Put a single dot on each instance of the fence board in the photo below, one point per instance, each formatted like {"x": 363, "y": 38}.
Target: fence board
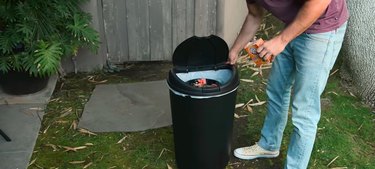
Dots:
{"x": 160, "y": 29}
{"x": 205, "y": 17}
{"x": 138, "y": 30}
{"x": 183, "y": 20}
{"x": 145, "y": 30}
{"x": 179, "y": 21}
{"x": 190, "y": 18}
{"x": 115, "y": 26}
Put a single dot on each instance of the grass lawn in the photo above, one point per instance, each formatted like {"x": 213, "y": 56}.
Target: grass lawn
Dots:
{"x": 345, "y": 137}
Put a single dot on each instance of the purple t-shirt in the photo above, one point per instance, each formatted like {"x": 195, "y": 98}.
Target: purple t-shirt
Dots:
{"x": 286, "y": 10}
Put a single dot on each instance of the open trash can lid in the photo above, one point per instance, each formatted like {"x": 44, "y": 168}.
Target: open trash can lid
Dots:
{"x": 201, "y": 51}
{"x": 200, "y": 69}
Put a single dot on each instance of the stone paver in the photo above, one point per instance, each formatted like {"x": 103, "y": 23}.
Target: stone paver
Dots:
{"x": 127, "y": 107}
{"x": 21, "y": 123}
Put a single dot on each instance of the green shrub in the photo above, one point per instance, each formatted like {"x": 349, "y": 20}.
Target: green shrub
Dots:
{"x": 36, "y": 34}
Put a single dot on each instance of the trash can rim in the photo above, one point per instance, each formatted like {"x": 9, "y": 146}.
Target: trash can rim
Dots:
{"x": 178, "y": 85}
{"x": 201, "y": 97}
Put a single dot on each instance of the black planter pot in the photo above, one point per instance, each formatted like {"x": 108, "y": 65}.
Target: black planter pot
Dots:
{"x": 21, "y": 83}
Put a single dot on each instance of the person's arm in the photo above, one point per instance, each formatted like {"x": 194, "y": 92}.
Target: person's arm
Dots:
{"x": 248, "y": 30}
{"x": 310, "y": 11}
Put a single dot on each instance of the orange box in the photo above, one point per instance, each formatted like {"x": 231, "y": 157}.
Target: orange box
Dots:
{"x": 251, "y": 49}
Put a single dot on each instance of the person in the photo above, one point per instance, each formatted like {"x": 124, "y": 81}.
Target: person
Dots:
{"x": 303, "y": 55}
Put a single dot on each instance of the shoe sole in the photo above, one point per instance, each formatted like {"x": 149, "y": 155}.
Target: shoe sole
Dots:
{"x": 243, "y": 157}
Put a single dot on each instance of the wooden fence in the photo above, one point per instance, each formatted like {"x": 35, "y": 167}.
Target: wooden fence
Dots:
{"x": 149, "y": 30}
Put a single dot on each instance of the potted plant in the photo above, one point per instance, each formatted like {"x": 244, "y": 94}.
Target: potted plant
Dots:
{"x": 36, "y": 34}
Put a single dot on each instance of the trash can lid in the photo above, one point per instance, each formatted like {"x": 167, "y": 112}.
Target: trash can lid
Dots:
{"x": 200, "y": 51}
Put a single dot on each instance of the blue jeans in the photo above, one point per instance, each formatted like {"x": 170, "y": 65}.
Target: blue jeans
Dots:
{"x": 299, "y": 74}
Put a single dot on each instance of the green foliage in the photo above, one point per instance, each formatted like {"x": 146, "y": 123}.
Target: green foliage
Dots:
{"x": 35, "y": 35}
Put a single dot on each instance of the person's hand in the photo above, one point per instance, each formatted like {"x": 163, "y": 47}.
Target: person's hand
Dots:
{"x": 232, "y": 58}
{"x": 270, "y": 49}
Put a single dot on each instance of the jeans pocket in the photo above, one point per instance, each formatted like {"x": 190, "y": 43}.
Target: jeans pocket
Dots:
{"x": 317, "y": 49}
{"x": 321, "y": 37}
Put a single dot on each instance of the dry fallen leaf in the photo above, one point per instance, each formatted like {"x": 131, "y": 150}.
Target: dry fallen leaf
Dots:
{"x": 254, "y": 74}
{"x": 162, "y": 151}
{"x": 260, "y": 70}
{"x": 86, "y": 132}
{"x": 121, "y": 140}
{"x": 77, "y": 162}
{"x": 236, "y": 116}
{"x": 257, "y": 104}
{"x": 239, "y": 116}
{"x": 73, "y": 125}
{"x": 53, "y": 146}
{"x": 334, "y": 72}
{"x": 74, "y": 148}
{"x": 92, "y": 80}
{"x": 66, "y": 112}
{"x": 247, "y": 80}
{"x": 262, "y": 67}
{"x": 239, "y": 105}
{"x": 256, "y": 98}
{"x": 45, "y": 130}
{"x": 249, "y": 109}
{"x": 87, "y": 165}
{"x": 61, "y": 121}
{"x": 254, "y": 69}
{"x": 351, "y": 94}
{"x": 32, "y": 162}
{"x": 333, "y": 161}
{"x": 169, "y": 167}
{"x": 333, "y": 93}
{"x": 248, "y": 102}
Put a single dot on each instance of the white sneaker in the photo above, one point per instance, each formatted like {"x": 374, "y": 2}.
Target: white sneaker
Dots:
{"x": 253, "y": 152}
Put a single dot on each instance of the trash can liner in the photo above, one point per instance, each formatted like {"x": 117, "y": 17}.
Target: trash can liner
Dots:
{"x": 222, "y": 76}
{"x": 225, "y": 74}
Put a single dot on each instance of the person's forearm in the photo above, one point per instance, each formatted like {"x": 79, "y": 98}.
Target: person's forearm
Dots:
{"x": 249, "y": 28}
{"x": 307, "y": 15}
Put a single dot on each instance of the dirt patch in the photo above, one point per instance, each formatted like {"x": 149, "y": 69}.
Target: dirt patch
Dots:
{"x": 146, "y": 71}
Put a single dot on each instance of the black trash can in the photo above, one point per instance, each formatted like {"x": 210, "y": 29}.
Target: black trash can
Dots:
{"x": 203, "y": 91}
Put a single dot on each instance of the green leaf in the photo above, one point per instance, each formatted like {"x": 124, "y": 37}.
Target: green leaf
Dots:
{"x": 8, "y": 41}
{"x": 26, "y": 30}
{"x": 47, "y": 57}
{"x": 4, "y": 64}
{"x": 82, "y": 32}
